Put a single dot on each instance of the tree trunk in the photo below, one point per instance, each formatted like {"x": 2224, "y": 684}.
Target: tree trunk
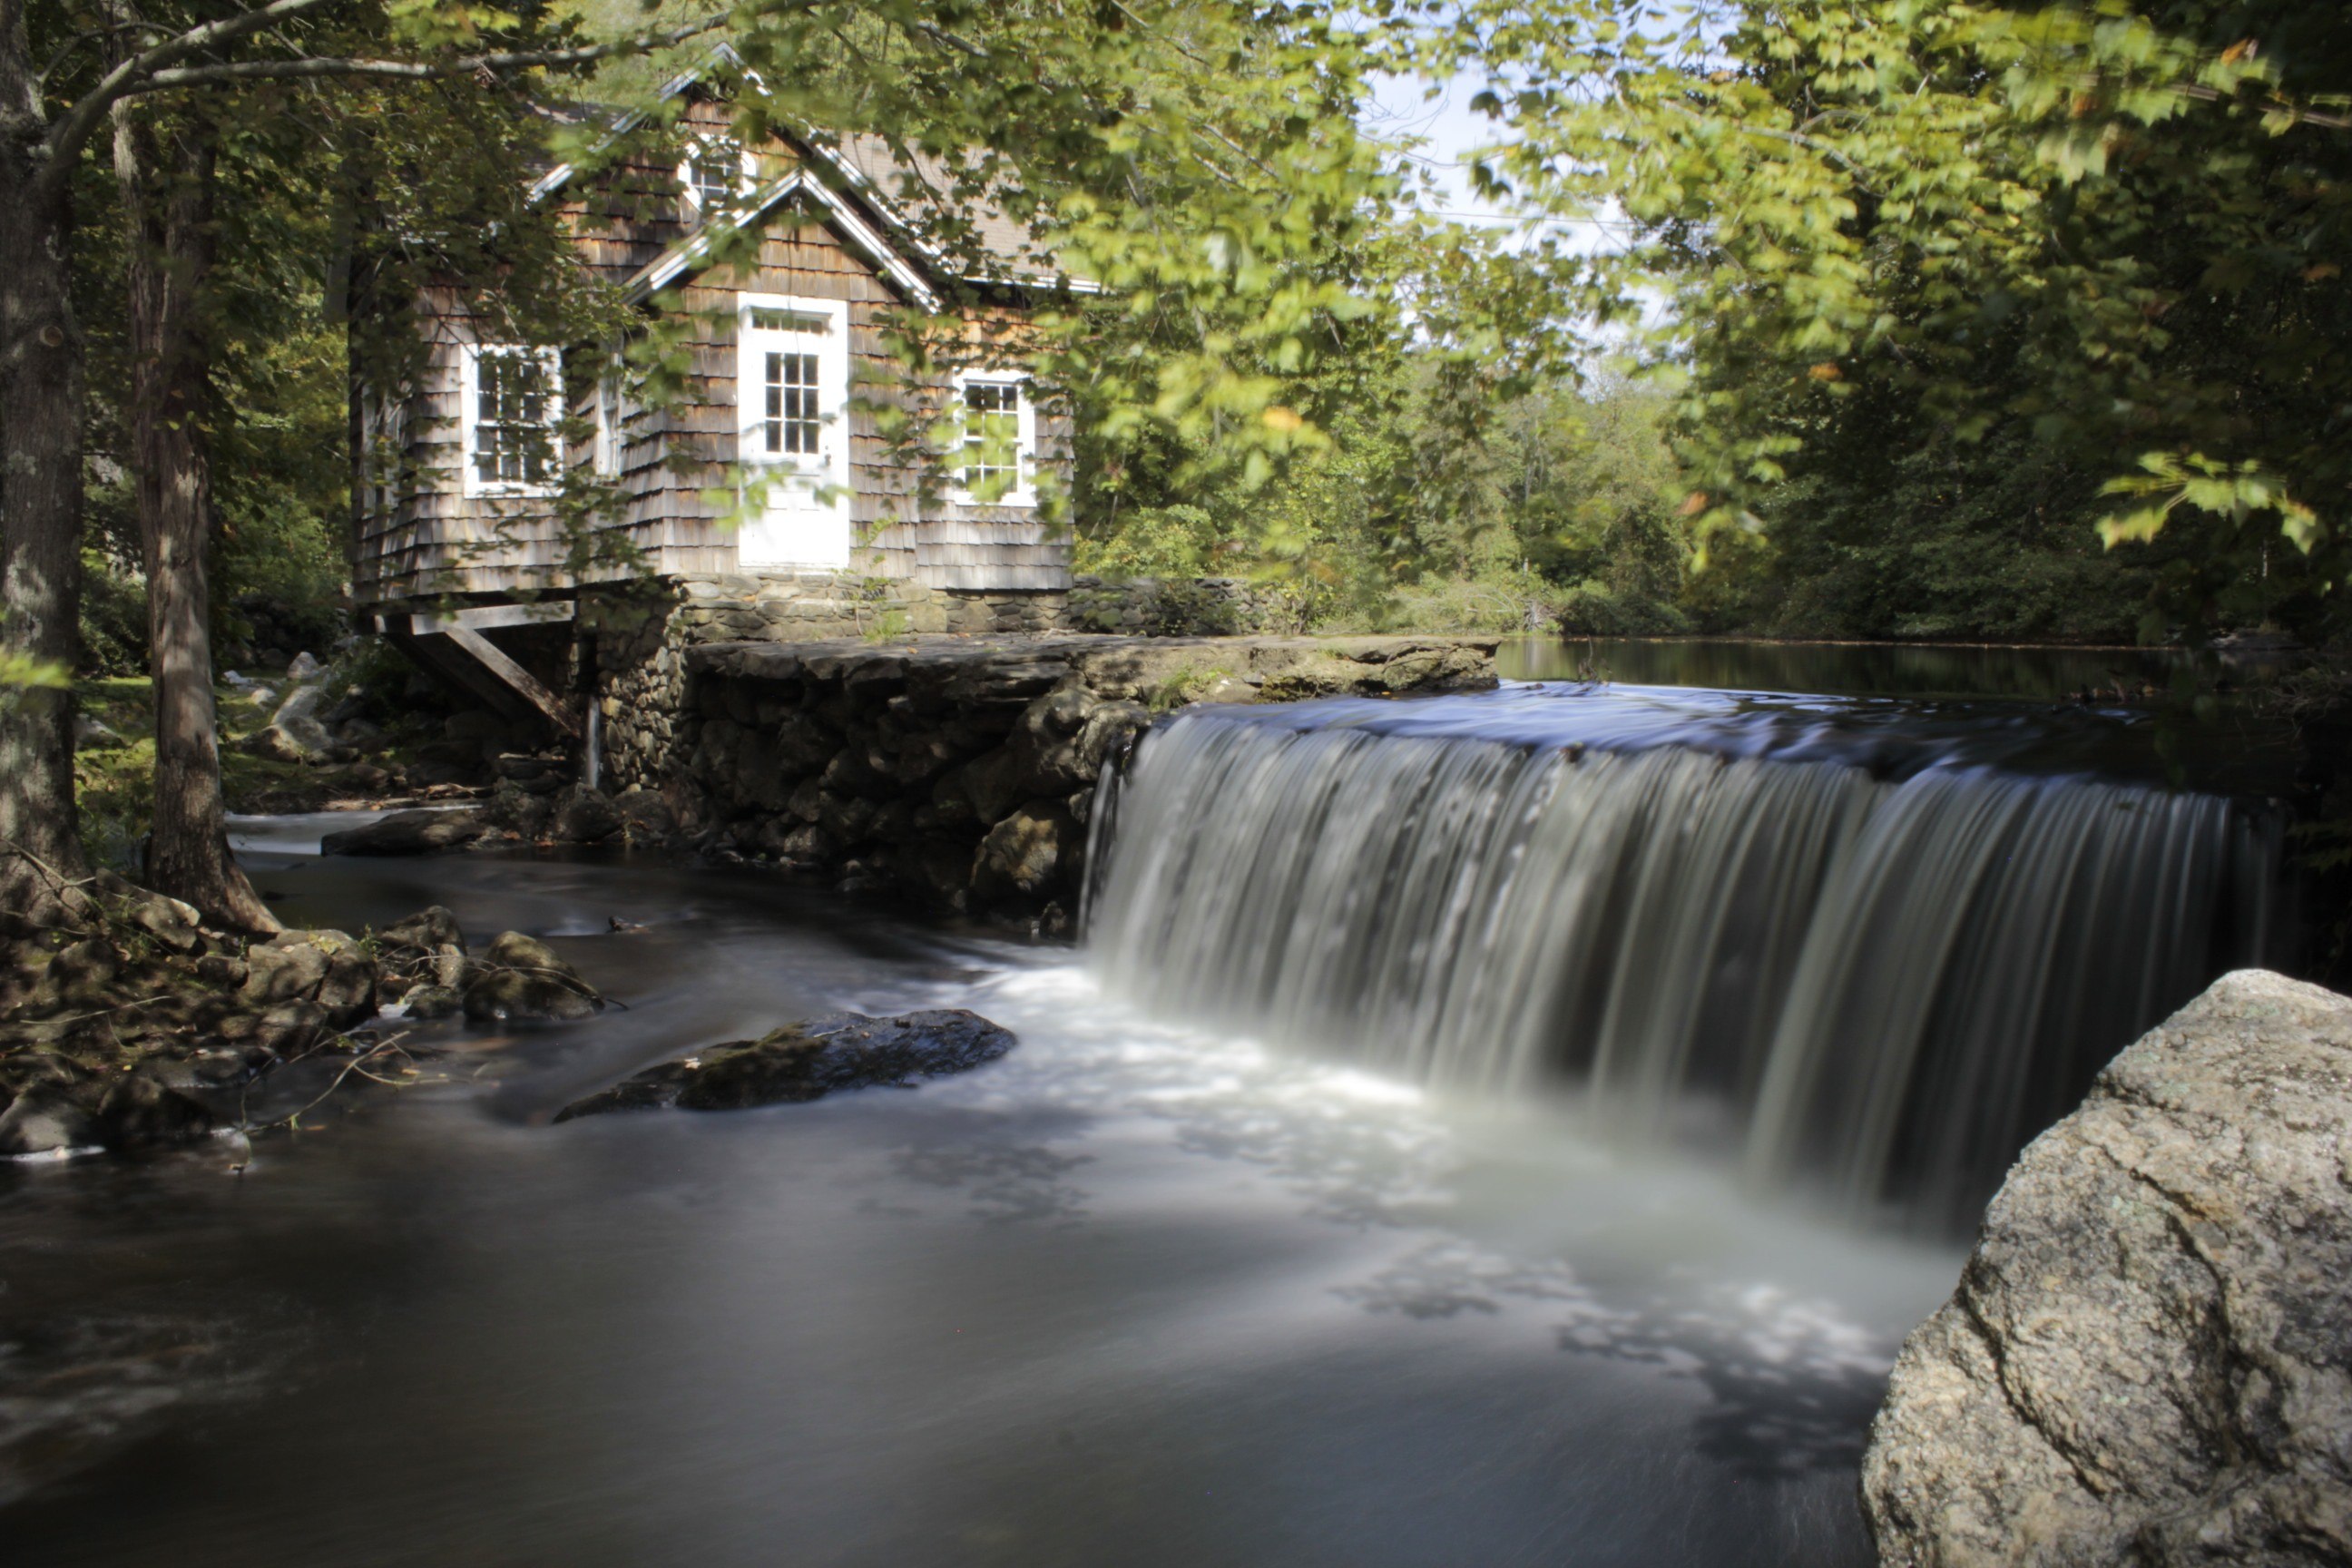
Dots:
{"x": 164, "y": 163}
{"x": 41, "y": 502}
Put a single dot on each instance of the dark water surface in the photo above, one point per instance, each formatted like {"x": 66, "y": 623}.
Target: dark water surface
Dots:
{"x": 1868, "y": 669}
{"x": 1135, "y": 1295}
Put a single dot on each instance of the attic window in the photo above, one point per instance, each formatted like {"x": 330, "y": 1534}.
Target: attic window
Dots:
{"x": 716, "y": 173}
{"x": 998, "y": 459}
{"x": 511, "y": 442}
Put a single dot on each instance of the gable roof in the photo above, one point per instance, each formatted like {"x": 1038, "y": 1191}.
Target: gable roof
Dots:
{"x": 865, "y": 164}
{"x": 693, "y": 252}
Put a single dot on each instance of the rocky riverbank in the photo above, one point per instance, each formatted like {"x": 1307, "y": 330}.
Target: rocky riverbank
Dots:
{"x": 142, "y": 1027}
{"x": 2147, "y": 1359}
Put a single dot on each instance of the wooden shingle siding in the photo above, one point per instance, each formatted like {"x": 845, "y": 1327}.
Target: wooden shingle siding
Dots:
{"x": 674, "y": 463}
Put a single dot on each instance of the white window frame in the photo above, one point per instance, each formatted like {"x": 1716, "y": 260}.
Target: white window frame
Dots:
{"x": 746, "y": 173}
{"x": 807, "y": 522}
{"x": 1024, "y": 492}
{"x": 611, "y": 428}
{"x": 469, "y": 420}
{"x": 832, "y": 351}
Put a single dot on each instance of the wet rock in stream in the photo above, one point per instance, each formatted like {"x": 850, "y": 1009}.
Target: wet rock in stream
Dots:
{"x": 424, "y": 952}
{"x": 522, "y": 979}
{"x": 418, "y": 832}
{"x": 807, "y": 1061}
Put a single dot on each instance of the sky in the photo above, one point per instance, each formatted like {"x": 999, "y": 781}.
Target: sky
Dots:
{"x": 1401, "y": 107}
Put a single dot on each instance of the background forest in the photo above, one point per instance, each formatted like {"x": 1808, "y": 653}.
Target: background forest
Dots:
{"x": 1844, "y": 422}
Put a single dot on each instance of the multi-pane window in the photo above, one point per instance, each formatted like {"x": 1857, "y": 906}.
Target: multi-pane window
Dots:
{"x": 714, "y": 179}
{"x": 511, "y": 433}
{"x": 792, "y": 418}
{"x": 713, "y": 175}
{"x": 992, "y": 439}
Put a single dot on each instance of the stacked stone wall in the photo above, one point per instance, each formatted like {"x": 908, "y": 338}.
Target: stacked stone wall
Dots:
{"x": 945, "y": 745}
{"x": 958, "y": 772}
{"x": 643, "y": 633}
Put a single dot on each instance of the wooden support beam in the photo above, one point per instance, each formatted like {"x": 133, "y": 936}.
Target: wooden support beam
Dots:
{"x": 520, "y": 680}
{"x": 483, "y": 617}
{"x": 456, "y": 669}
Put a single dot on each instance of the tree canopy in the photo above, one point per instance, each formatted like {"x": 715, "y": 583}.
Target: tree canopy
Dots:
{"x": 2115, "y": 232}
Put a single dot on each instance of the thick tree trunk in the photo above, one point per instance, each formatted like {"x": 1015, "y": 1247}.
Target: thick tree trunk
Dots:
{"x": 164, "y": 163}
{"x": 41, "y": 502}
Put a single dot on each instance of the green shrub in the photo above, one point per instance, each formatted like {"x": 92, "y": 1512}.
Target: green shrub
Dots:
{"x": 1152, "y": 541}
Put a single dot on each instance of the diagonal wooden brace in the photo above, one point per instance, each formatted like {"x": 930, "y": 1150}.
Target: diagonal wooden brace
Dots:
{"x": 514, "y": 676}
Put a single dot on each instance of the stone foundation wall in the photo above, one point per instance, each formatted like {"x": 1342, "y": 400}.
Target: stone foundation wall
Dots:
{"x": 958, "y": 772}
{"x": 643, "y": 631}
{"x": 638, "y": 682}
{"x": 945, "y": 745}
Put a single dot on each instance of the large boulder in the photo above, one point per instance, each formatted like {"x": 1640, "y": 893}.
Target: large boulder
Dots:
{"x": 145, "y": 1106}
{"x": 806, "y": 1061}
{"x": 46, "y": 1121}
{"x": 2148, "y": 1359}
{"x": 981, "y": 790}
{"x": 296, "y": 733}
{"x": 167, "y": 921}
{"x": 646, "y": 818}
{"x": 418, "y": 832}
{"x": 522, "y": 979}
{"x": 1047, "y": 758}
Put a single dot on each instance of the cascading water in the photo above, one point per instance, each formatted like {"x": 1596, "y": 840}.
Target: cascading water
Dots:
{"x": 1875, "y": 946}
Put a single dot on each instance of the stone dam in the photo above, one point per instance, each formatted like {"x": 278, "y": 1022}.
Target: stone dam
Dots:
{"x": 959, "y": 771}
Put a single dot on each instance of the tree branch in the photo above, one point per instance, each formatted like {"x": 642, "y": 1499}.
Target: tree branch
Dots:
{"x": 78, "y": 124}
{"x": 946, "y": 39}
{"x": 2295, "y": 113}
{"x": 412, "y": 70}
{"x": 157, "y": 70}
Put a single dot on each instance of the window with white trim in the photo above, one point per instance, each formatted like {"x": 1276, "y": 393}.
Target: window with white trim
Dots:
{"x": 995, "y": 461}
{"x": 513, "y": 440}
{"x": 715, "y": 176}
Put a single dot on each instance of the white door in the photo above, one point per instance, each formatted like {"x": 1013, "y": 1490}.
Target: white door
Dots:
{"x": 791, "y": 393}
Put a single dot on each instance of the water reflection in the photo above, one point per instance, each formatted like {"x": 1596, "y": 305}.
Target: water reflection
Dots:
{"x": 2115, "y": 675}
{"x": 999, "y": 1182}
{"x": 75, "y": 1389}
{"x": 1792, "y": 1383}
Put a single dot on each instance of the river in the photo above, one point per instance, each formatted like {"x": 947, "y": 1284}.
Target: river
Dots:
{"x": 1170, "y": 1284}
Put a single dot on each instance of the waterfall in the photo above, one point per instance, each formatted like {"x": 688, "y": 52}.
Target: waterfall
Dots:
{"x": 1883, "y": 970}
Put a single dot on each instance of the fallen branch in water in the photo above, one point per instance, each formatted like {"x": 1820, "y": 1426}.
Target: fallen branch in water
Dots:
{"x": 358, "y": 1064}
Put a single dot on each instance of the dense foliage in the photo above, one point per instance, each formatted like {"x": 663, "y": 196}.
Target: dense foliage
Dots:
{"x": 1989, "y": 278}
{"x": 1972, "y": 266}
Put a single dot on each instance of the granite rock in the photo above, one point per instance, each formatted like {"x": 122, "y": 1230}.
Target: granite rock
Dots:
{"x": 2148, "y": 1359}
